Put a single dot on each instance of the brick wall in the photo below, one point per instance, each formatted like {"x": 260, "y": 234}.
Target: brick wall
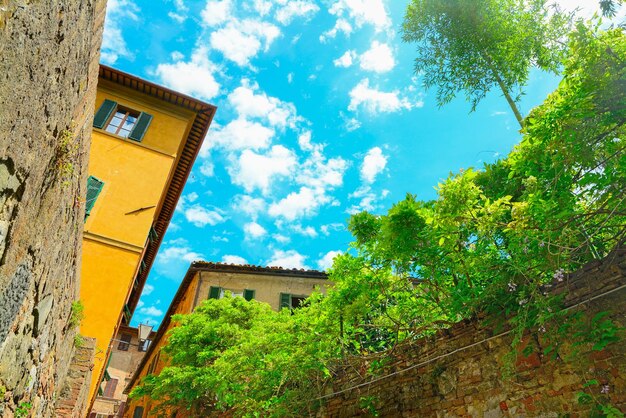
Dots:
{"x": 74, "y": 394}
{"x": 458, "y": 373}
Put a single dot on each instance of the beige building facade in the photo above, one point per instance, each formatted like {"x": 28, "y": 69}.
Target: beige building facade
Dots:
{"x": 127, "y": 351}
{"x": 278, "y": 287}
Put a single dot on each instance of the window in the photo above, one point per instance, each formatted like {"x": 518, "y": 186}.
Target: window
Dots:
{"x": 216, "y": 292}
{"x": 109, "y": 389}
{"x": 287, "y": 300}
{"x": 94, "y": 187}
{"x": 125, "y": 342}
{"x": 138, "y": 412}
{"x": 122, "y": 121}
{"x": 154, "y": 363}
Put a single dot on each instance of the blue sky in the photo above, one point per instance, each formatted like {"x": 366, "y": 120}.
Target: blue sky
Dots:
{"x": 320, "y": 115}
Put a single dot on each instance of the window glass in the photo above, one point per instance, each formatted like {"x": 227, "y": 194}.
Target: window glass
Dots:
{"x": 233, "y": 293}
{"x": 125, "y": 342}
{"x": 297, "y": 301}
{"x": 123, "y": 122}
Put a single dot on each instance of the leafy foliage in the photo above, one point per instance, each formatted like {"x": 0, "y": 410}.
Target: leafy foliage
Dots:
{"x": 609, "y": 7}
{"x": 472, "y": 46}
{"x": 493, "y": 242}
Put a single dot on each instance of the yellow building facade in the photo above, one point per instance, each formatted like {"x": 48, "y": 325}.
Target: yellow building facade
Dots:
{"x": 144, "y": 142}
{"x": 278, "y": 287}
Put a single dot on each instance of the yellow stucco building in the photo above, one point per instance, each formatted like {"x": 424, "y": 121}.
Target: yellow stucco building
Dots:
{"x": 144, "y": 142}
{"x": 278, "y": 287}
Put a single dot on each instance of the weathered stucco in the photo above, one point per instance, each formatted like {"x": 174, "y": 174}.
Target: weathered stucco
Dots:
{"x": 49, "y": 55}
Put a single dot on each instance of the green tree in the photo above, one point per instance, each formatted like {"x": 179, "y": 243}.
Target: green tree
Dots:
{"x": 472, "y": 46}
{"x": 609, "y": 7}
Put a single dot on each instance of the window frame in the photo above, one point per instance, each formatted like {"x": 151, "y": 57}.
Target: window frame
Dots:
{"x": 124, "y": 345}
{"x": 119, "y": 128}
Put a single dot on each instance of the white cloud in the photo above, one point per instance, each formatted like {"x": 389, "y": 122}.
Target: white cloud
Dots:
{"x": 263, "y": 7}
{"x": 296, "y": 8}
{"x": 151, "y": 311}
{"x": 299, "y": 204}
{"x": 287, "y": 259}
{"x": 256, "y": 171}
{"x": 177, "y": 56}
{"x": 326, "y": 229}
{"x": 180, "y": 15}
{"x": 346, "y": 59}
{"x": 352, "y": 124}
{"x": 368, "y": 199}
{"x": 252, "y": 103}
{"x": 373, "y": 164}
{"x": 192, "y": 197}
{"x": 290, "y": 78}
{"x": 249, "y": 205}
{"x": 239, "y": 134}
{"x": 341, "y": 25}
{"x": 326, "y": 261}
{"x": 174, "y": 258}
{"x": 216, "y": 12}
{"x": 378, "y": 58}
{"x": 234, "y": 259}
{"x": 241, "y": 40}
{"x": 201, "y": 217}
{"x": 254, "y": 231}
{"x": 147, "y": 289}
{"x": 375, "y": 101}
{"x": 307, "y": 231}
{"x": 370, "y": 12}
{"x": 320, "y": 174}
{"x": 113, "y": 43}
{"x": 283, "y": 239}
{"x": 172, "y": 253}
{"x": 194, "y": 77}
{"x": 304, "y": 140}
{"x": 207, "y": 168}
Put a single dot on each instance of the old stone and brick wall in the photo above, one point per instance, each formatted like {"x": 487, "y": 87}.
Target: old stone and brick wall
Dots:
{"x": 49, "y": 52}
{"x": 458, "y": 373}
{"x": 74, "y": 394}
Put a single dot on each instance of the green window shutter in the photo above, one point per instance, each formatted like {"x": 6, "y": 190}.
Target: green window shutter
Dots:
{"x": 248, "y": 294}
{"x": 285, "y": 300}
{"x": 94, "y": 187}
{"x": 143, "y": 121}
{"x": 153, "y": 236}
{"x": 102, "y": 115}
{"x": 127, "y": 314}
{"x": 214, "y": 292}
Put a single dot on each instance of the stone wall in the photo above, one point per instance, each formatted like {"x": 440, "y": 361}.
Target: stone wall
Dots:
{"x": 459, "y": 372}
{"x": 49, "y": 54}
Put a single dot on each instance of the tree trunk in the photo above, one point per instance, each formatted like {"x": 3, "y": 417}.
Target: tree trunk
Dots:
{"x": 509, "y": 99}
{"x": 504, "y": 89}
